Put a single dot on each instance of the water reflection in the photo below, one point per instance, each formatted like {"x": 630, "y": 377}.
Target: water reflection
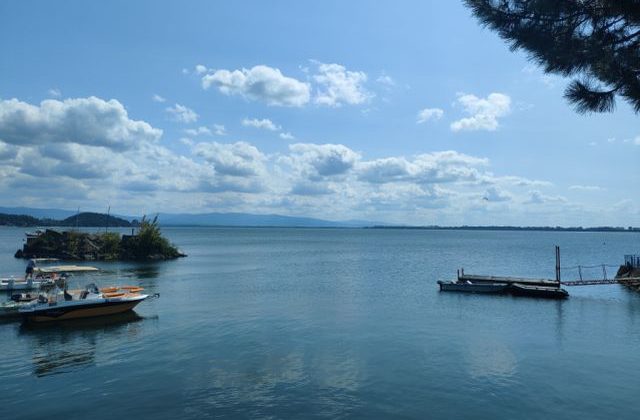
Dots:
{"x": 141, "y": 272}
{"x": 66, "y": 346}
{"x": 491, "y": 360}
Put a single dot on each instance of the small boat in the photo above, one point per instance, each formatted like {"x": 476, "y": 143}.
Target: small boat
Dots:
{"x": 90, "y": 302}
{"x": 470, "y": 287}
{"x": 22, "y": 284}
{"x": 549, "y": 292}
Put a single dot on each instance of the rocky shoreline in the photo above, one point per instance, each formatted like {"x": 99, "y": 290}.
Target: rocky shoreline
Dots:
{"x": 145, "y": 245}
{"x": 629, "y": 276}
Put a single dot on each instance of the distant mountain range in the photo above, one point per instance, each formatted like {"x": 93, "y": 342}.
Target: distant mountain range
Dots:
{"x": 68, "y": 218}
{"x": 77, "y": 220}
{"x": 199, "y": 219}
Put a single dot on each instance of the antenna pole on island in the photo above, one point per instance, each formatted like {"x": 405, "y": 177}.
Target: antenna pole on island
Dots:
{"x": 106, "y": 220}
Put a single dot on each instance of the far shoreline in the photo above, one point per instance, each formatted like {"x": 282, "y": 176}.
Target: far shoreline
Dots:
{"x": 601, "y": 229}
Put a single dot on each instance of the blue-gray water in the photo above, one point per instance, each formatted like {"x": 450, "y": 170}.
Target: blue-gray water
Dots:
{"x": 336, "y": 323}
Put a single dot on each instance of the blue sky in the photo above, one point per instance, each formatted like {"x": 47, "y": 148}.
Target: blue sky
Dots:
{"x": 405, "y": 112}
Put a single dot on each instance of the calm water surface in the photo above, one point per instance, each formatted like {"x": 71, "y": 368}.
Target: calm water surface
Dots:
{"x": 304, "y": 323}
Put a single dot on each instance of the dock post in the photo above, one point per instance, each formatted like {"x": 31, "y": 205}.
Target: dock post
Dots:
{"x": 558, "y": 265}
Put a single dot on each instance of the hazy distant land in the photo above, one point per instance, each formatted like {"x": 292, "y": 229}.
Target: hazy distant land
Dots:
{"x": 30, "y": 217}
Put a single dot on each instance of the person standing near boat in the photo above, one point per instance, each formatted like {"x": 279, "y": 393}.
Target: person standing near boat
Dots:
{"x": 31, "y": 265}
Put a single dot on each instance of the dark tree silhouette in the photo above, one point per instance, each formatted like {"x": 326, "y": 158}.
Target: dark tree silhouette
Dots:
{"x": 595, "y": 41}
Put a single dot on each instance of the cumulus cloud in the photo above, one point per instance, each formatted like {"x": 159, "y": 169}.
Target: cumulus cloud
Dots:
{"x": 200, "y": 131}
{"x": 261, "y": 83}
{"x": 264, "y": 124}
{"x": 200, "y": 69}
{"x": 428, "y": 168}
{"x": 55, "y": 92}
{"x": 238, "y": 159}
{"x": 495, "y": 194}
{"x": 182, "y": 114}
{"x": 428, "y": 114}
{"x": 536, "y": 197}
{"x": 219, "y": 130}
{"x": 158, "y": 98}
{"x": 90, "y": 121}
{"x": 322, "y": 160}
{"x": 484, "y": 112}
{"x": 337, "y": 86}
{"x": 287, "y": 136}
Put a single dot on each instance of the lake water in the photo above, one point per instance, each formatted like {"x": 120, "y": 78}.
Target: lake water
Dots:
{"x": 336, "y": 323}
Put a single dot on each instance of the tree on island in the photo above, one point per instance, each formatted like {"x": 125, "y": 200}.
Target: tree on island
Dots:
{"x": 148, "y": 243}
{"x": 595, "y": 41}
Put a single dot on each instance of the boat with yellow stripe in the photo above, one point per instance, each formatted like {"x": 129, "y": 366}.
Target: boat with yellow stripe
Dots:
{"x": 90, "y": 302}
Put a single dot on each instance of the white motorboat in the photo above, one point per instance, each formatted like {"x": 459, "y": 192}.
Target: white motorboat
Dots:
{"x": 90, "y": 302}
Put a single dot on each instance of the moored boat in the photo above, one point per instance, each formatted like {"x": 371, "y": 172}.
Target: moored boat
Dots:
{"x": 548, "y": 292}
{"x": 11, "y": 283}
{"x": 90, "y": 302}
{"x": 470, "y": 287}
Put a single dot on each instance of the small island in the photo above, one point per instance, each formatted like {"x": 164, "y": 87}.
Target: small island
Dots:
{"x": 147, "y": 244}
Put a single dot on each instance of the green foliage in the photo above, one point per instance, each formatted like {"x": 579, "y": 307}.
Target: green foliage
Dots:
{"x": 597, "y": 41}
{"x": 110, "y": 245}
{"x": 148, "y": 243}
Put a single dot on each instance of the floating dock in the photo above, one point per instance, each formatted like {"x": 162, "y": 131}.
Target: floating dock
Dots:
{"x": 508, "y": 280}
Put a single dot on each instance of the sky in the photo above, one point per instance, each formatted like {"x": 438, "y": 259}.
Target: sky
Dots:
{"x": 405, "y": 112}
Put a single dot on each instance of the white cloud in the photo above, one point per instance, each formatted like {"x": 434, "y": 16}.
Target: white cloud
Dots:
{"x": 586, "y": 188}
{"x": 200, "y": 69}
{"x": 339, "y": 86}
{"x": 264, "y": 124}
{"x": 158, "y": 98}
{"x": 386, "y": 81}
{"x": 182, "y": 114}
{"x": 536, "y": 197}
{"x": 260, "y": 83}
{"x": 311, "y": 189}
{"x": 636, "y": 141}
{"x": 428, "y": 114}
{"x": 495, "y": 194}
{"x": 200, "y": 131}
{"x": 429, "y": 168}
{"x": 239, "y": 159}
{"x": 91, "y": 121}
{"x": 287, "y": 136}
{"x": 322, "y": 160}
{"x": 55, "y": 92}
{"x": 484, "y": 113}
{"x": 219, "y": 130}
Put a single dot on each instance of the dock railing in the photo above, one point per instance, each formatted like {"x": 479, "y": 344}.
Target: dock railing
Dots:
{"x": 632, "y": 260}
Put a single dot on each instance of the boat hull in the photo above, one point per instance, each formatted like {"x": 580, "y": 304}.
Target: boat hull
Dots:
{"x": 88, "y": 311}
{"x": 538, "y": 291}
{"x": 496, "y": 288}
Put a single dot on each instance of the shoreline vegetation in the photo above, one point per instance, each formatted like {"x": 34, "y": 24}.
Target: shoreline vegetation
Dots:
{"x": 147, "y": 244}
